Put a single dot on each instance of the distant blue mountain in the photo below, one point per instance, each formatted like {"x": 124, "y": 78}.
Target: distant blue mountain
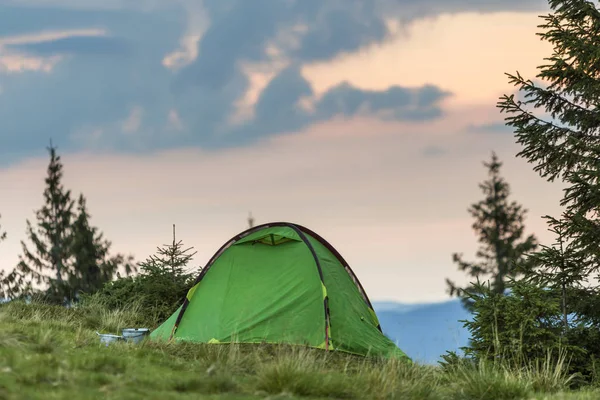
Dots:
{"x": 424, "y": 331}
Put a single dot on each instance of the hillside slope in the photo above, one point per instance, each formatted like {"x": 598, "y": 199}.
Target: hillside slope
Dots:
{"x": 53, "y": 353}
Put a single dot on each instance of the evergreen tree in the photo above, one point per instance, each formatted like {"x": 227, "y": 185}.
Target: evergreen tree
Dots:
{"x": 70, "y": 257}
{"x": 49, "y": 262}
{"x": 557, "y": 269}
{"x": 92, "y": 266}
{"x": 499, "y": 225}
{"x": 558, "y": 128}
{"x": 518, "y": 327}
{"x": 557, "y": 124}
{"x": 169, "y": 259}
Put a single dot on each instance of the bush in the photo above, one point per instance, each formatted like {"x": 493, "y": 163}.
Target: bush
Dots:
{"x": 158, "y": 290}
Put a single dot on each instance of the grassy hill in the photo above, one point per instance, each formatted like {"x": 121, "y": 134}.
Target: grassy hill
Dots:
{"x": 51, "y": 352}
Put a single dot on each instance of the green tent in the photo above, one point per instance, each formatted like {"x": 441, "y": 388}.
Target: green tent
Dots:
{"x": 279, "y": 283}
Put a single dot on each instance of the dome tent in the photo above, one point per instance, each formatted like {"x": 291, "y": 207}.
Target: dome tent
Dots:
{"x": 279, "y": 283}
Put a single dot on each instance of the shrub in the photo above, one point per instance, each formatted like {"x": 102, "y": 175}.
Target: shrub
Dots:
{"x": 158, "y": 290}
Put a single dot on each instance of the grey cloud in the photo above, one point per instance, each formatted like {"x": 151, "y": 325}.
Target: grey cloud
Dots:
{"x": 240, "y": 33}
{"x": 402, "y": 103}
{"x": 240, "y": 30}
{"x": 206, "y": 113}
{"x": 81, "y": 45}
{"x": 86, "y": 5}
{"x": 85, "y": 93}
{"x": 18, "y": 20}
{"x": 411, "y": 9}
{"x": 277, "y": 109}
{"x": 449, "y": 5}
{"x": 338, "y": 27}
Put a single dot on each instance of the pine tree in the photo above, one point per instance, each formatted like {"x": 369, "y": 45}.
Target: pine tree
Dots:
{"x": 499, "y": 225}
{"x": 70, "y": 257}
{"x": 92, "y": 266}
{"x": 48, "y": 264}
{"x": 557, "y": 268}
{"x": 558, "y": 124}
{"x": 169, "y": 259}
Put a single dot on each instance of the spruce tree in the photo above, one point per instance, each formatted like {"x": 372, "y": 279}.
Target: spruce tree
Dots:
{"x": 557, "y": 269}
{"x": 49, "y": 262}
{"x": 170, "y": 260}
{"x": 92, "y": 266}
{"x": 499, "y": 225}
{"x": 557, "y": 124}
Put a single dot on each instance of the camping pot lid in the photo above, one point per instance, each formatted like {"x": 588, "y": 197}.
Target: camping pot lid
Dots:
{"x": 136, "y": 330}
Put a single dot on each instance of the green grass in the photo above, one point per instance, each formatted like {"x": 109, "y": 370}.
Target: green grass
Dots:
{"x": 50, "y": 352}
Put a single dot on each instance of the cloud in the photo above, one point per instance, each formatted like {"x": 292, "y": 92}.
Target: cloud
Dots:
{"x": 278, "y": 105}
{"x": 467, "y": 54}
{"x": 288, "y": 104}
{"x": 96, "y": 5}
{"x": 18, "y": 63}
{"x": 80, "y": 45}
{"x": 20, "y": 20}
{"x": 48, "y": 36}
{"x": 298, "y": 32}
{"x": 146, "y": 57}
{"x": 411, "y": 9}
{"x": 42, "y": 51}
{"x": 85, "y": 95}
{"x": 342, "y": 28}
{"x": 303, "y": 31}
{"x": 394, "y": 103}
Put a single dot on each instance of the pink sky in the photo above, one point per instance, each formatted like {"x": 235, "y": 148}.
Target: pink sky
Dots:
{"x": 367, "y": 186}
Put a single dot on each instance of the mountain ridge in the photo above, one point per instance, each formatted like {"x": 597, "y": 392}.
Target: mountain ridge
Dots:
{"x": 424, "y": 331}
